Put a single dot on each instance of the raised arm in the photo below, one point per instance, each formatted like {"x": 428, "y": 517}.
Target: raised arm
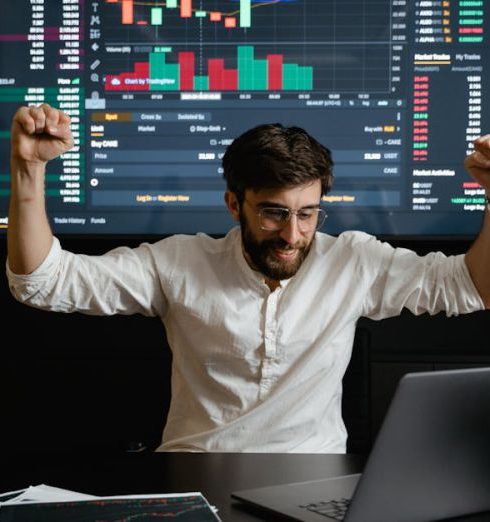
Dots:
{"x": 478, "y": 256}
{"x": 39, "y": 134}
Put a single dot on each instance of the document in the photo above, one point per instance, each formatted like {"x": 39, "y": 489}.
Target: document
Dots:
{"x": 47, "y": 504}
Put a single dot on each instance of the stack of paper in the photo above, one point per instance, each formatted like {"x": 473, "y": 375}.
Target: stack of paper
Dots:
{"x": 49, "y": 504}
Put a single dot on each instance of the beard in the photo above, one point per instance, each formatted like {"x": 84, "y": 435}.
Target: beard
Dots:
{"x": 261, "y": 253}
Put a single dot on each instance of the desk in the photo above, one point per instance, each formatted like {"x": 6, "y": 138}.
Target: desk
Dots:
{"x": 215, "y": 475}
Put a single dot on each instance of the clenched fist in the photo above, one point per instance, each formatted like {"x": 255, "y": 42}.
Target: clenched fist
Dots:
{"x": 40, "y": 134}
{"x": 478, "y": 162}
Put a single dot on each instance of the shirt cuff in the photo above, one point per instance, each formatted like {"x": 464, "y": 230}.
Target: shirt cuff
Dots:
{"x": 41, "y": 271}
{"x": 476, "y": 303}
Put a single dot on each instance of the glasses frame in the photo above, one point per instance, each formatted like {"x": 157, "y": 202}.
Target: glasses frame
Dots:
{"x": 321, "y": 216}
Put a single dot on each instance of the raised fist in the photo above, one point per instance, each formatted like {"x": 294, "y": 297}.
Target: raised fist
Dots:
{"x": 40, "y": 134}
{"x": 478, "y": 162}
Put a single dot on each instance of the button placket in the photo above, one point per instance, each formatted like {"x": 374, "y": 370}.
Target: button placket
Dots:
{"x": 271, "y": 325}
{"x": 269, "y": 366}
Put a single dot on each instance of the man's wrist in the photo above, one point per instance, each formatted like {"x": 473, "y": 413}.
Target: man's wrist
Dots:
{"x": 27, "y": 181}
{"x": 487, "y": 201}
{"x": 25, "y": 164}
{"x": 26, "y": 169}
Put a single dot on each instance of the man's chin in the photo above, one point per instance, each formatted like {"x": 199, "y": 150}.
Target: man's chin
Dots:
{"x": 277, "y": 267}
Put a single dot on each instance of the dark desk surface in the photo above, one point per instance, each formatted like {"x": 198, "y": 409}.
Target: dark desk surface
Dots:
{"x": 216, "y": 475}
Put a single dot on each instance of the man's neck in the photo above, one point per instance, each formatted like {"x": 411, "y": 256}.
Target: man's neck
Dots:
{"x": 272, "y": 283}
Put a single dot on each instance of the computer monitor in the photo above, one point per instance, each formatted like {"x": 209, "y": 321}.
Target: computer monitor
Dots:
{"x": 398, "y": 90}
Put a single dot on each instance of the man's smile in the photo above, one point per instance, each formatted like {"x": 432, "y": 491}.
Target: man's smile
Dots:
{"x": 285, "y": 254}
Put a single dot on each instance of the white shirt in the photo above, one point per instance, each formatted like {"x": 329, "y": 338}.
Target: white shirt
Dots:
{"x": 253, "y": 370}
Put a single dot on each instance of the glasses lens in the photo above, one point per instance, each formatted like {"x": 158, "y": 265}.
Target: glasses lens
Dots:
{"x": 273, "y": 218}
{"x": 310, "y": 218}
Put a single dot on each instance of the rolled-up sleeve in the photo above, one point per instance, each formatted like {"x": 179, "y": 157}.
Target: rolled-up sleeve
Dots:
{"x": 422, "y": 284}
{"x": 121, "y": 281}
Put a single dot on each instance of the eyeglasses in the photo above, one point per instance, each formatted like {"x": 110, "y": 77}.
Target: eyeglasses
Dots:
{"x": 276, "y": 218}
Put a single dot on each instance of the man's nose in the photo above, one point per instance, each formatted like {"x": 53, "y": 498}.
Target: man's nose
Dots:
{"x": 291, "y": 232}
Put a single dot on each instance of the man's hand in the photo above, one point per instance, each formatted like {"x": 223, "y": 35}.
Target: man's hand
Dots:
{"x": 40, "y": 134}
{"x": 478, "y": 256}
{"x": 478, "y": 162}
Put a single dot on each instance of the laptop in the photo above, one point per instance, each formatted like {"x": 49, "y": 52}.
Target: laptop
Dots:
{"x": 430, "y": 460}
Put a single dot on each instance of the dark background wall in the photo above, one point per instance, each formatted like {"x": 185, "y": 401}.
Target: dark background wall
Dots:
{"x": 71, "y": 382}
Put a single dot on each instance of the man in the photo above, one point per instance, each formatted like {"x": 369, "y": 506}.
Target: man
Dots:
{"x": 260, "y": 322}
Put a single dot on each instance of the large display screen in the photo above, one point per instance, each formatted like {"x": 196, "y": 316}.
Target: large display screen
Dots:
{"x": 156, "y": 89}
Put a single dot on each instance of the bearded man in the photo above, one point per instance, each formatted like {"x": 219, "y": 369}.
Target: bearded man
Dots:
{"x": 260, "y": 322}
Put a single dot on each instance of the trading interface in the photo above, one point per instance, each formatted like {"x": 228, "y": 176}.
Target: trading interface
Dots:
{"x": 397, "y": 90}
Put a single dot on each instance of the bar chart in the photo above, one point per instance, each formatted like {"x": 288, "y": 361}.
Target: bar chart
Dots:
{"x": 160, "y": 74}
{"x": 282, "y": 46}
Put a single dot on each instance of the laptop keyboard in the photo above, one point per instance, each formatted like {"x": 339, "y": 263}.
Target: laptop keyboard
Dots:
{"x": 334, "y": 509}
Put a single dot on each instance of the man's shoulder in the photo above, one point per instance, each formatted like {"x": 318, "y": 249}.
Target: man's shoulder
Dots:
{"x": 345, "y": 240}
{"x": 353, "y": 246}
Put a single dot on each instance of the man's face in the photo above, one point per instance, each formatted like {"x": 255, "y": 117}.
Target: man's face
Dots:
{"x": 276, "y": 254}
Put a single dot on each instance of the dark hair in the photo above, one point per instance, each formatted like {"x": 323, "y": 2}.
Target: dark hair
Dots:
{"x": 275, "y": 156}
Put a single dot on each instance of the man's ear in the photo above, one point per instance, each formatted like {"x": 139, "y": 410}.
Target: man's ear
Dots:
{"x": 232, "y": 204}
